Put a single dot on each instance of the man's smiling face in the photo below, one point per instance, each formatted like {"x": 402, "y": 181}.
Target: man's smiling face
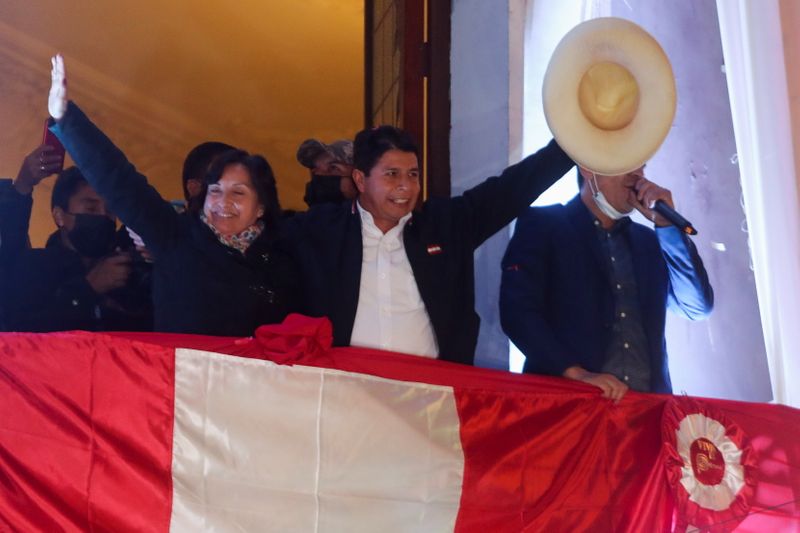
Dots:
{"x": 390, "y": 190}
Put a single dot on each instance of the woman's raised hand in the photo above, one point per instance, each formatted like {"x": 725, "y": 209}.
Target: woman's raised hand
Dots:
{"x": 57, "y": 102}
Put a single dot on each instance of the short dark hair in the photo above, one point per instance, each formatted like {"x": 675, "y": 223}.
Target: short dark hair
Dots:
{"x": 67, "y": 184}
{"x": 199, "y": 159}
{"x": 261, "y": 175}
{"x": 371, "y": 144}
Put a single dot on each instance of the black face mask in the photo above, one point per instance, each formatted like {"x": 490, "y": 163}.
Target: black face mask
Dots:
{"x": 92, "y": 235}
{"x": 323, "y": 190}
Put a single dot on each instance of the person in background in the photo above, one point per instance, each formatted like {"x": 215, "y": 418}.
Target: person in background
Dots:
{"x": 16, "y": 199}
{"x": 80, "y": 279}
{"x": 331, "y": 169}
{"x": 16, "y": 202}
{"x": 585, "y": 290}
{"x": 393, "y": 277}
{"x": 216, "y": 271}
{"x": 195, "y": 167}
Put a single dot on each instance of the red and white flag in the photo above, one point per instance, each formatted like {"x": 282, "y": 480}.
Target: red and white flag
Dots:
{"x": 149, "y": 432}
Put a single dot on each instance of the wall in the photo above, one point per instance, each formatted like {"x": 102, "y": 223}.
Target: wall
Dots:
{"x": 161, "y": 77}
{"x": 479, "y": 142}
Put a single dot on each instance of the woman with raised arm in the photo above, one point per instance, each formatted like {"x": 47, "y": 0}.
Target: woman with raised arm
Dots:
{"x": 217, "y": 272}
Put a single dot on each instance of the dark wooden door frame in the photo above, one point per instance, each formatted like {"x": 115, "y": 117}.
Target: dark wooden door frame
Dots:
{"x": 438, "y": 112}
{"x": 425, "y": 84}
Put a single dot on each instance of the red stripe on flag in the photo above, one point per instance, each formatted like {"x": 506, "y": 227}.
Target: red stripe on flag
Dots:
{"x": 555, "y": 462}
{"x": 85, "y": 433}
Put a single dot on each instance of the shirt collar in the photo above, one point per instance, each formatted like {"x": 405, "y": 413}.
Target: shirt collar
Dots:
{"x": 368, "y": 222}
{"x": 619, "y": 225}
{"x": 616, "y": 228}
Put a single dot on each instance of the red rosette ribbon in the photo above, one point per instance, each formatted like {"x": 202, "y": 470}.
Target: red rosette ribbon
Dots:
{"x": 709, "y": 464}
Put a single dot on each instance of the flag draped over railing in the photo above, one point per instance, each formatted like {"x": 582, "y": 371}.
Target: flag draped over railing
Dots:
{"x": 158, "y": 432}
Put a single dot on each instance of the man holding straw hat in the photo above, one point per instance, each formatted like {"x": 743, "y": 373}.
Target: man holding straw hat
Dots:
{"x": 585, "y": 290}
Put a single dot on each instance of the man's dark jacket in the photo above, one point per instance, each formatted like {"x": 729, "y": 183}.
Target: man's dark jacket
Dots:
{"x": 557, "y": 301}
{"x": 47, "y": 290}
{"x": 440, "y": 240}
{"x": 15, "y": 214}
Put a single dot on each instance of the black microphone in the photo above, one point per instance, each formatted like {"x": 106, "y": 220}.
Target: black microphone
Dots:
{"x": 674, "y": 217}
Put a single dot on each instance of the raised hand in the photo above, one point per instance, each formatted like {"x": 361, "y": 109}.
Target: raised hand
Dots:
{"x": 57, "y": 102}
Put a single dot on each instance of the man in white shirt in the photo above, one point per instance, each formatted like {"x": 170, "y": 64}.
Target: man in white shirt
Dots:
{"x": 394, "y": 275}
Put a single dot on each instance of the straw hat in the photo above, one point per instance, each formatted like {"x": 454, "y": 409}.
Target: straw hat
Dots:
{"x": 609, "y": 95}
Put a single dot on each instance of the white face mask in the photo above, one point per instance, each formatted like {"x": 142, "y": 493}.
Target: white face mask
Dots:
{"x": 602, "y": 203}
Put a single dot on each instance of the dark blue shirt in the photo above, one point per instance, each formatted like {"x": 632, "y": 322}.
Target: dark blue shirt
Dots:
{"x": 627, "y": 357}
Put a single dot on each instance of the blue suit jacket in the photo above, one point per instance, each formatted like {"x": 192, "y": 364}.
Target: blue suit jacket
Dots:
{"x": 556, "y": 300}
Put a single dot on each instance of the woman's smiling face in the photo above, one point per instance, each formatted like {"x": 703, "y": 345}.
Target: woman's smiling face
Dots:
{"x": 232, "y": 204}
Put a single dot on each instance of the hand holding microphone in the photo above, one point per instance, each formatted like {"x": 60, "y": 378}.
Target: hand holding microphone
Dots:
{"x": 655, "y": 203}
{"x": 674, "y": 217}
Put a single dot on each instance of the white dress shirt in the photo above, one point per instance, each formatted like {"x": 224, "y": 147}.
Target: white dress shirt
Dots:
{"x": 391, "y": 314}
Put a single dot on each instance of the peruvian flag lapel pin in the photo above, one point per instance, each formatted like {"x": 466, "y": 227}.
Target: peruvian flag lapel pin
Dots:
{"x": 434, "y": 249}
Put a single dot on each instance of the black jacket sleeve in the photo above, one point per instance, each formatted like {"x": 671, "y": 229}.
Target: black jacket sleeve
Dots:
{"x": 15, "y": 215}
{"x": 493, "y": 204}
{"x": 116, "y": 180}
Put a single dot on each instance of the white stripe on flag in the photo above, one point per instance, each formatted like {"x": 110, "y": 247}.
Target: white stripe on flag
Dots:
{"x": 266, "y": 447}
